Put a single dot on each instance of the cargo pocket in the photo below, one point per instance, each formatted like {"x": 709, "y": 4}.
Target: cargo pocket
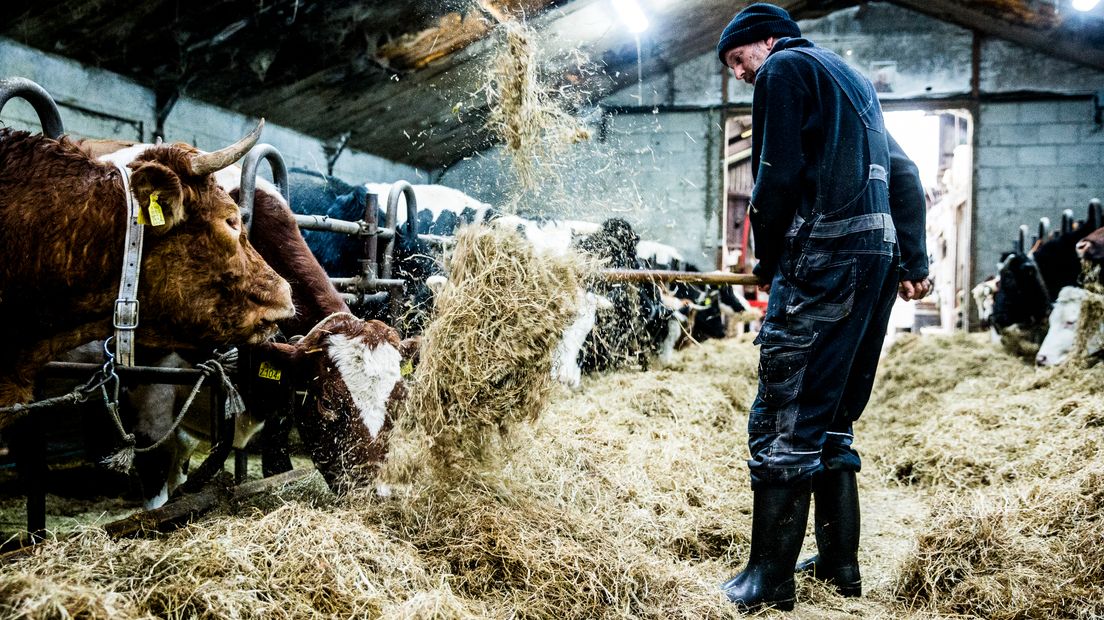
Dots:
{"x": 824, "y": 287}
{"x": 783, "y": 357}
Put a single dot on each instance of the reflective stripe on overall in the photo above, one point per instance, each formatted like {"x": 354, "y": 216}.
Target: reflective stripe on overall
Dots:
{"x": 826, "y": 320}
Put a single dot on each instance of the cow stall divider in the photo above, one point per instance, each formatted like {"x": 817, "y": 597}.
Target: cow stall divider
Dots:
{"x": 374, "y": 283}
{"x": 30, "y": 446}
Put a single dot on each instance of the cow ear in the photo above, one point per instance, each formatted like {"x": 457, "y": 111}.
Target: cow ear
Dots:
{"x": 160, "y": 195}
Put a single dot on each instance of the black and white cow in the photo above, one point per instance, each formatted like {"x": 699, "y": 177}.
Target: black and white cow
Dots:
{"x": 1062, "y": 332}
{"x": 414, "y": 262}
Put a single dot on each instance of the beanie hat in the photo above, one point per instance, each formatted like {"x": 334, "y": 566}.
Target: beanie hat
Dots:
{"x": 756, "y": 22}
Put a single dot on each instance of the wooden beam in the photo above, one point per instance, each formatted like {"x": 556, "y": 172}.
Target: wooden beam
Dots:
{"x": 1048, "y": 36}
{"x": 180, "y": 511}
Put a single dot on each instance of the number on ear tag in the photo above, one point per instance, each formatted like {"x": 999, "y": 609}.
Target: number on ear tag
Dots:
{"x": 157, "y": 218}
{"x": 268, "y": 371}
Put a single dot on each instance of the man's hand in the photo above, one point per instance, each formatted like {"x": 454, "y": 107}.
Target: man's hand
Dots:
{"x": 909, "y": 290}
{"x": 765, "y": 287}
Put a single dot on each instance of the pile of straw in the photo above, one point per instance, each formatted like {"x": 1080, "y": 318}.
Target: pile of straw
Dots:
{"x": 631, "y": 500}
{"x": 1015, "y": 458}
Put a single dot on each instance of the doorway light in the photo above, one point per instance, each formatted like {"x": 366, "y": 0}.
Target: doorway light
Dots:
{"x": 1085, "y": 5}
{"x": 632, "y": 15}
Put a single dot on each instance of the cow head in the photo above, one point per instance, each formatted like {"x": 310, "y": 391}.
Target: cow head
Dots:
{"x": 1062, "y": 332}
{"x": 352, "y": 371}
{"x": 200, "y": 275}
{"x": 1091, "y": 248}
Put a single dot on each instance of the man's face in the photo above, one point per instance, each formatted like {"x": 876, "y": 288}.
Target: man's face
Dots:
{"x": 745, "y": 60}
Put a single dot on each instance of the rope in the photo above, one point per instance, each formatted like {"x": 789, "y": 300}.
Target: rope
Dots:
{"x": 123, "y": 459}
{"x": 14, "y": 413}
{"x": 101, "y": 377}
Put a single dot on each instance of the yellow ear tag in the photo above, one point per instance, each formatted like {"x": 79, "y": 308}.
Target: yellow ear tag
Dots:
{"x": 268, "y": 371}
{"x": 157, "y": 218}
{"x": 407, "y": 368}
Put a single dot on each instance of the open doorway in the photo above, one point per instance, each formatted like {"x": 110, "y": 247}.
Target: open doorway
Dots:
{"x": 939, "y": 141}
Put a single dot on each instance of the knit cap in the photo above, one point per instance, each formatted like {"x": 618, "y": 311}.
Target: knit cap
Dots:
{"x": 756, "y": 22}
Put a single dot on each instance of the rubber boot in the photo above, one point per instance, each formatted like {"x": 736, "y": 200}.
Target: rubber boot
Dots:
{"x": 836, "y": 497}
{"x": 777, "y": 531}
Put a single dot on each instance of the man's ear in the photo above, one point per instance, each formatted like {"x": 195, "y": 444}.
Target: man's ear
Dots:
{"x": 160, "y": 195}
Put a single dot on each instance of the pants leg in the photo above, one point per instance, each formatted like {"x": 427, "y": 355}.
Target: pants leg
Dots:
{"x": 810, "y": 343}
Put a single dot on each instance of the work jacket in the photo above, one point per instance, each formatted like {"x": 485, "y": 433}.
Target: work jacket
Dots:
{"x": 812, "y": 153}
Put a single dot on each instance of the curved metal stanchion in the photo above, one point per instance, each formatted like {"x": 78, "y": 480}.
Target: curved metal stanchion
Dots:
{"x": 40, "y": 100}
{"x": 249, "y": 178}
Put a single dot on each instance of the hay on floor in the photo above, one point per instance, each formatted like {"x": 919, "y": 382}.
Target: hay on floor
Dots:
{"x": 630, "y": 499}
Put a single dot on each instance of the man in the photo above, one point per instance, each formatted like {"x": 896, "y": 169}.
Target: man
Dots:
{"x": 838, "y": 217}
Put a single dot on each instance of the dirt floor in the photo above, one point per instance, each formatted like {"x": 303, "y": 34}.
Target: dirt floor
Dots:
{"x": 628, "y": 499}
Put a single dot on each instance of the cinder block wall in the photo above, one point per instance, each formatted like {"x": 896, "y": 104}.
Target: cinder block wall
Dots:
{"x": 1034, "y": 159}
{"x": 99, "y": 104}
{"x": 657, "y": 171}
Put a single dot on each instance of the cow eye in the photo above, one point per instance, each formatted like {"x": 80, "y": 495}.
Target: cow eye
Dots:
{"x": 234, "y": 222}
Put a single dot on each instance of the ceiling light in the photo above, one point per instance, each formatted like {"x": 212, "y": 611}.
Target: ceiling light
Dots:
{"x": 632, "y": 15}
{"x": 1085, "y": 5}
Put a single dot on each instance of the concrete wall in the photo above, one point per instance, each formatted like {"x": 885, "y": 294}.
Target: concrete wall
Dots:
{"x": 659, "y": 171}
{"x": 100, "y": 104}
{"x": 1034, "y": 159}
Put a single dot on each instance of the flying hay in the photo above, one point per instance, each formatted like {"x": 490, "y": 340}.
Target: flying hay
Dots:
{"x": 524, "y": 113}
{"x": 486, "y": 357}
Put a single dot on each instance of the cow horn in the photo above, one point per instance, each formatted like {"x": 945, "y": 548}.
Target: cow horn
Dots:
{"x": 206, "y": 163}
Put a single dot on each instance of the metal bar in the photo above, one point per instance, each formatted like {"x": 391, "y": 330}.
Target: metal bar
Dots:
{"x": 357, "y": 282}
{"x": 692, "y": 277}
{"x": 398, "y": 188}
{"x": 371, "y": 242}
{"x": 323, "y": 223}
{"x": 249, "y": 178}
{"x": 39, "y": 99}
{"x": 221, "y": 444}
{"x": 137, "y": 374}
{"x": 30, "y": 457}
{"x": 241, "y": 465}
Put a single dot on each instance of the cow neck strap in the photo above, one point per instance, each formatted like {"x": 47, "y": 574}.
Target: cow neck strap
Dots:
{"x": 126, "y": 305}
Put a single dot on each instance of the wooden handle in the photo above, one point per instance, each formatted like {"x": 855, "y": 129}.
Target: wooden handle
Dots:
{"x": 692, "y": 277}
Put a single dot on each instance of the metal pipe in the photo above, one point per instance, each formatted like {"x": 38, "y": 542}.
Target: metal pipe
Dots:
{"x": 405, "y": 189}
{"x": 399, "y": 188}
{"x": 663, "y": 275}
{"x": 359, "y": 283}
{"x": 249, "y": 178}
{"x": 136, "y": 374}
{"x": 323, "y": 223}
{"x": 40, "y": 100}
{"x": 371, "y": 242}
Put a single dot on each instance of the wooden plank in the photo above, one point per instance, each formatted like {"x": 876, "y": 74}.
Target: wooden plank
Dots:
{"x": 178, "y": 512}
{"x": 175, "y": 513}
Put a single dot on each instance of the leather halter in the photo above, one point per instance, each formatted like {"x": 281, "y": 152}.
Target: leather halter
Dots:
{"x": 126, "y": 304}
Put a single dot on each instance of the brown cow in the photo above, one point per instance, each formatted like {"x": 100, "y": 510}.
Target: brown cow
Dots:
{"x": 342, "y": 421}
{"x": 63, "y": 216}
{"x": 1091, "y": 248}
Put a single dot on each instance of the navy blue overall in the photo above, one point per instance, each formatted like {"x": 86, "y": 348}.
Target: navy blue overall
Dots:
{"x": 829, "y": 306}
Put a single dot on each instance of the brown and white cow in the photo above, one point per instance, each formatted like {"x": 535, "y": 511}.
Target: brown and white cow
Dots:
{"x": 63, "y": 217}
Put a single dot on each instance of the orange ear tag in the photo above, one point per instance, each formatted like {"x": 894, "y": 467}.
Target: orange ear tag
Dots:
{"x": 157, "y": 218}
